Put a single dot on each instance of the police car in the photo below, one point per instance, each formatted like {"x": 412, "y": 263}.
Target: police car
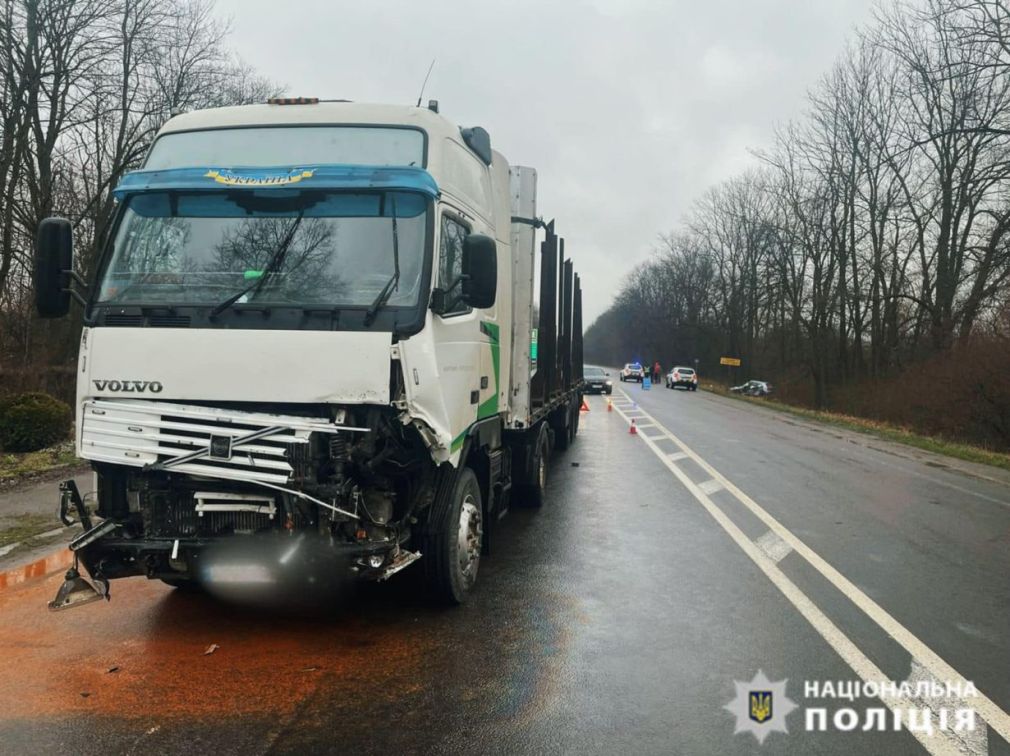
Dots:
{"x": 633, "y": 372}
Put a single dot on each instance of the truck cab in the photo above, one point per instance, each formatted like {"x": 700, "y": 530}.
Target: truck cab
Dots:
{"x": 302, "y": 326}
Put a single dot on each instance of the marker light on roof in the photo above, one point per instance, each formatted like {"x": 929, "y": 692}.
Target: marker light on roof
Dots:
{"x": 293, "y": 101}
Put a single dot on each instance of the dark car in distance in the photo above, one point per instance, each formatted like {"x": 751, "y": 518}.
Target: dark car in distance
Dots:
{"x": 597, "y": 381}
{"x": 753, "y": 388}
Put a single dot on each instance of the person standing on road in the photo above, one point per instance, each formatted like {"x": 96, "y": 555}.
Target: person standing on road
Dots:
{"x": 656, "y": 372}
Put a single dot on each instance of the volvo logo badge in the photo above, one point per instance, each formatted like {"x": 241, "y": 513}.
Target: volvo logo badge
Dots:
{"x": 132, "y": 387}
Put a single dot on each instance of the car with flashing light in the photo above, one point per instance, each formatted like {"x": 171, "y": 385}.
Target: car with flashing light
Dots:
{"x": 597, "y": 380}
{"x": 682, "y": 376}
{"x": 633, "y": 371}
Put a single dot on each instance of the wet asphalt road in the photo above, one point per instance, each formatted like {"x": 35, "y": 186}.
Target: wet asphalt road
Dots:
{"x": 615, "y": 619}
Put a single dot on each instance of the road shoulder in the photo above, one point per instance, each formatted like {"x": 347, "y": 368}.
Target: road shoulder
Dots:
{"x": 868, "y": 440}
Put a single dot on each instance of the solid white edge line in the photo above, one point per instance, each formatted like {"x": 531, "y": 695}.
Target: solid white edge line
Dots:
{"x": 993, "y": 715}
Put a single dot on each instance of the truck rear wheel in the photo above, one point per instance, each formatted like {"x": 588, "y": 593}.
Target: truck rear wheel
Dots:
{"x": 532, "y": 494}
{"x": 562, "y": 426}
{"x": 453, "y": 541}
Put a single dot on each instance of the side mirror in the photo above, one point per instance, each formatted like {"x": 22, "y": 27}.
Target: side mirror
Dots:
{"x": 54, "y": 264}
{"x": 480, "y": 271}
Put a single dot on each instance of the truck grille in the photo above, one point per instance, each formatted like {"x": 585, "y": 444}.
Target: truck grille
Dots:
{"x": 140, "y": 433}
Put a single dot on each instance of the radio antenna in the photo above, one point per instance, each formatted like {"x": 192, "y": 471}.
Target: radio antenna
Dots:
{"x": 425, "y": 82}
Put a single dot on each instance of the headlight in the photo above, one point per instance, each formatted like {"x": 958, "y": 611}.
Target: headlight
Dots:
{"x": 610, "y": 383}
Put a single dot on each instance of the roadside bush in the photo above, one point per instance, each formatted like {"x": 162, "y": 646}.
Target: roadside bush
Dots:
{"x": 32, "y": 421}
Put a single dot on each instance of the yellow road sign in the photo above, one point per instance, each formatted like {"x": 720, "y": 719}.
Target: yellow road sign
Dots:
{"x": 734, "y": 361}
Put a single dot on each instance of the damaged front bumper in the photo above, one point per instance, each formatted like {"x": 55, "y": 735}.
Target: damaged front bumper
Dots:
{"x": 198, "y": 494}
{"x": 289, "y": 561}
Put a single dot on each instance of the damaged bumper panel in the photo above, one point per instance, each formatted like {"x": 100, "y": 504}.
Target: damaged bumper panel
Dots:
{"x": 124, "y": 557}
{"x": 278, "y": 562}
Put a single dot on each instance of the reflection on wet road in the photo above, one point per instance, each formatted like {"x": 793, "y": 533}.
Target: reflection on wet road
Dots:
{"x": 615, "y": 619}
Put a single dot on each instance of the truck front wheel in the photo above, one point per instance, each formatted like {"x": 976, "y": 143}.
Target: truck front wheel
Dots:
{"x": 453, "y": 542}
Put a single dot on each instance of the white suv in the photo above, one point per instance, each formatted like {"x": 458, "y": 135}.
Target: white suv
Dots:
{"x": 682, "y": 376}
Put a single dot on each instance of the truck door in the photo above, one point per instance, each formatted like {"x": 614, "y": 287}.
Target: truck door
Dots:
{"x": 457, "y": 333}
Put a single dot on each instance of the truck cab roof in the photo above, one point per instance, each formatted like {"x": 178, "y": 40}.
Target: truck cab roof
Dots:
{"x": 459, "y": 171}
{"x": 321, "y": 113}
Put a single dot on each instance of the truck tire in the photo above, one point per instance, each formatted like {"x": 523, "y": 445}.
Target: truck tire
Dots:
{"x": 453, "y": 541}
{"x": 534, "y": 492}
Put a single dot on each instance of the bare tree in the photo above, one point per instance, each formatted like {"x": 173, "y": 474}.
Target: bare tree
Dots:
{"x": 84, "y": 87}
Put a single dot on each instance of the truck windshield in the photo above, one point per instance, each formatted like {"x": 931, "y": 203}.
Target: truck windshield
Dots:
{"x": 200, "y": 247}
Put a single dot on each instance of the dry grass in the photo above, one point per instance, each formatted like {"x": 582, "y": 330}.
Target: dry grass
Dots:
{"x": 23, "y": 527}
{"x": 14, "y": 466}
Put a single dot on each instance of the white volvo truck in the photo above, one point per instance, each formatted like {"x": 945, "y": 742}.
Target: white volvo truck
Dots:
{"x": 310, "y": 325}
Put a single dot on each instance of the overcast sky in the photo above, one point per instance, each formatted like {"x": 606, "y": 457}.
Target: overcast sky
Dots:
{"x": 628, "y": 109}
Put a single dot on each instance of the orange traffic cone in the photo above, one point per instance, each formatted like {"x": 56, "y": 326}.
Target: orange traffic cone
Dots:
{"x": 610, "y": 405}
{"x": 633, "y": 430}
{"x": 584, "y": 407}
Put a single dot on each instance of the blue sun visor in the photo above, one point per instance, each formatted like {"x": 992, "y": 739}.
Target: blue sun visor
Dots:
{"x": 324, "y": 177}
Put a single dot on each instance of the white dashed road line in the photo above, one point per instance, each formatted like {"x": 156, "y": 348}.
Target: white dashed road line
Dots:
{"x": 710, "y": 486}
{"x": 775, "y": 544}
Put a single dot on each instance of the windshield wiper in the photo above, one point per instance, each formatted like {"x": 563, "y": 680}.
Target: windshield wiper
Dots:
{"x": 394, "y": 281}
{"x": 273, "y": 264}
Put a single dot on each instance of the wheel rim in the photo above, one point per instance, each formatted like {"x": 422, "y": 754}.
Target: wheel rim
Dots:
{"x": 470, "y": 531}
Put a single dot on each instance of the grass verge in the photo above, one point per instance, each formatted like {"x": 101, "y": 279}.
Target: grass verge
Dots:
{"x": 881, "y": 430}
{"x": 23, "y": 527}
{"x": 14, "y": 466}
